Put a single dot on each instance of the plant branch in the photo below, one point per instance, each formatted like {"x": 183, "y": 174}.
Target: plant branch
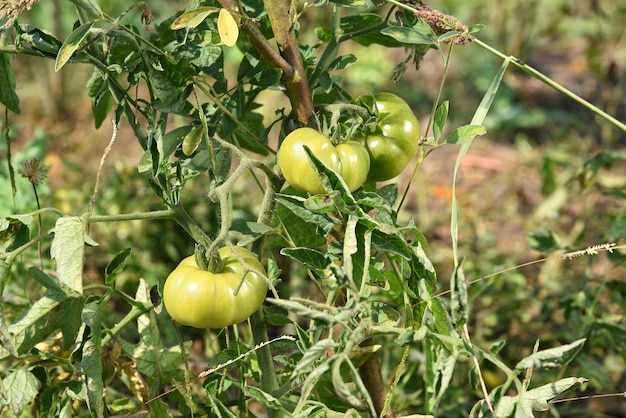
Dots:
{"x": 548, "y": 81}
{"x": 283, "y": 14}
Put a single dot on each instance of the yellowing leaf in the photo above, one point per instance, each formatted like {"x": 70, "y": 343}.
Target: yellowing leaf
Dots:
{"x": 192, "y": 140}
{"x": 227, "y": 28}
{"x": 71, "y": 44}
{"x": 192, "y": 18}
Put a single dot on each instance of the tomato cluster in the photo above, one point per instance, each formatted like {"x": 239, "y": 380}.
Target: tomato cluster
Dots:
{"x": 349, "y": 159}
{"x": 395, "y": 141}
{"x": 375, "y": 156}
{"x": 203, "y": 299}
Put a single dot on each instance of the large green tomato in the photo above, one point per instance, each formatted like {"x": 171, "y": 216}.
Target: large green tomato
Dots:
{"x": 349, "y": 159}
{"x": 396, "y": 139}
{"x": 203, "y": 299}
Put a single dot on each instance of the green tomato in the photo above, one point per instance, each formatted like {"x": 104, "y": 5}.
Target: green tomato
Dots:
{"x": 203, "y": 299}
{"x": 395, "y": 141}
{"x": 349, "y": 159}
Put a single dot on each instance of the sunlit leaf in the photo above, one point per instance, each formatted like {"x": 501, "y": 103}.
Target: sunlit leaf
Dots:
{"x": 192, "y": 18}
{"x": 192, "y": 140}
{"x": 71, "y": 44}
{"x": 227, "y": 28}
{"x": 465, "y": 134}
{"x": 19, "y": 389}
{"x": 68, "y": 250}
{"x": 551, "y": 357}
{"x": 408, "y": 35}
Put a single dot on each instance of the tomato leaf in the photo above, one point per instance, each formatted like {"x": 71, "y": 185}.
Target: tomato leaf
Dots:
{"x": 458, "y": 297}
{"x": 551, "y": 357}
{"x": 391, "y": 243}
{"x": 465, "y": 134}
{"x": 116, "y": 265}
{"x": 47, "y": 315}
{"x": 309, "y": 257}
{"x": 536, "y": 399}
{"x": 68, "y": 247}
{"x": 323, "y": 223}
{"x": 91, "y": 362}
{"x": 19, "y": 389}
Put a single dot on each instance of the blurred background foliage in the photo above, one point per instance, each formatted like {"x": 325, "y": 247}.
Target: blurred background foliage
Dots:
{"x": 549, "y": 176}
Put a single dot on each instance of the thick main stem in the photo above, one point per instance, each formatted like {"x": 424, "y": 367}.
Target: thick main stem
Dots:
{"x": 282, "y": 15}
{"x": 373, "y": 380}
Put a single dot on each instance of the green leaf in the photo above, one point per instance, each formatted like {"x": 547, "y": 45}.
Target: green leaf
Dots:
{"x": 116, "y": 265}
{"x": 263, "y": 398}
{"x": 342, "y": 62}
{"x": 309, "y": 257}
{"x": 552, "y": 357}
{"x": 91, "y": 7}
{"x": 45, "y": 279}
{"x": 458, "y": 297}
{"x": 323, "y": 223}
{"x": 39, "y": 40}
{"x": 192, "y": 18}
{"x": 8, "y": 96}
{"x": 312, "y": 354}
{"x": 341, "y": 388}
{"x": 47, "y": 315}
{"x": 101, "y": 98}
{"x": 439, "y": 370}
{"x": 332, "y": 181}
{"x": 151, "y": 357}
{"x": 477, "y": 119}
{"x": 19, "y": 389}
{"x": 71, "y": 44}
{"x": 304, "y": 311}
{"x": 391, "y": 243}
{"x": 448, "y": 35}
{"x": 536, "y": 399}
{"x": 408, "y": 35}
{"x": 352, "y": 3}
{"x": 465, "y": 134}
{"x": 5, "y": 338}
{"x": 476, "y": 28}
{"x": 91, "y": 362}
{"x": 441, "y": 115}
{"x": 68, "y": 247}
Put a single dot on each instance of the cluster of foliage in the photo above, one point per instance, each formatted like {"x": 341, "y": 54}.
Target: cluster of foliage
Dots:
{"x": 376, "y": 337}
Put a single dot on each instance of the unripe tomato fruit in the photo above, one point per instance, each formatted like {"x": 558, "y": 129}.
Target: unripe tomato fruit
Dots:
{"x": 203, "y": 299}
{"x": 395, "y": 141}
{"x": 349, "y": 159}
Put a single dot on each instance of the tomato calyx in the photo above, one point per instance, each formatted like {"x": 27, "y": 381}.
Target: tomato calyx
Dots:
{"x": 212, "y": 263}
{"x": 347, "y": 118}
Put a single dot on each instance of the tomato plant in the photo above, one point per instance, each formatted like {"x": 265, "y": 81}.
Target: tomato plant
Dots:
{"x": 349, "y": 159}
{"x": 358, "y": 323}
{"x": 203, "y": 299}
{"x": 396, "y": 139}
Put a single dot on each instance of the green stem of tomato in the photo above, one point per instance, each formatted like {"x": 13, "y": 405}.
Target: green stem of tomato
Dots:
{"x": 549, "y": 82}
{"x": 269, "y": 382}
{"x": 130, "y": 317}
